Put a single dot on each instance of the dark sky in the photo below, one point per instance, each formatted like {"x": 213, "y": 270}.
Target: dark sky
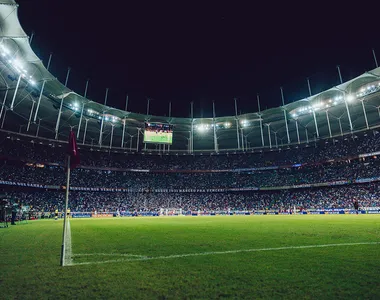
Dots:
{"x": 201, "y": 52}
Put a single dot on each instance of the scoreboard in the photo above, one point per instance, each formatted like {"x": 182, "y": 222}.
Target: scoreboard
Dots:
{"x": 158, "y": 133}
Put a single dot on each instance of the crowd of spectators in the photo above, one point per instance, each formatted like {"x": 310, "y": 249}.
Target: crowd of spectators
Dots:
{"x": 55, "y": 175}
{"x": 320, "y": 162}
{"x": 368, "y": 195}
{"x": 305, "y": 153}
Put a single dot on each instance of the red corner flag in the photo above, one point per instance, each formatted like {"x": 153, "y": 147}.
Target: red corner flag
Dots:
{"x": 73, "y": 151}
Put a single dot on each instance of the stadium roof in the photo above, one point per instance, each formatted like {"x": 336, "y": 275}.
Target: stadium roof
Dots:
{"x": 31, "y": 99}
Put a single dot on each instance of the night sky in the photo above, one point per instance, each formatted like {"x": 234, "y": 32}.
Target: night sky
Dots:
{"x": 187, "y": 52}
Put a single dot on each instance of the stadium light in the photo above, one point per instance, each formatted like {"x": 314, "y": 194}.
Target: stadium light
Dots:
{"x": 350, "y": 98}
{"x": 202, "y": 127}
{"x": 244, "y": 123}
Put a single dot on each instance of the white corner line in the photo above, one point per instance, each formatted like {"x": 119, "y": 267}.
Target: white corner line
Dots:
{"x": 145, "y": 258}
{"x": 68, "y": 261}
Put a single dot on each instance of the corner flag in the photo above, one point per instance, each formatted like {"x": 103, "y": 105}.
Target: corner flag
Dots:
{"x": 72, "y": 151}
{"x": 72, "y": 161}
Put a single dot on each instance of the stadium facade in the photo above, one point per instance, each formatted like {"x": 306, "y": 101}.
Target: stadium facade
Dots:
{"x": 34, "y": 102}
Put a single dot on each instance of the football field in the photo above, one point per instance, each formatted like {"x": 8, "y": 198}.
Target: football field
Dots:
{"x": 251, "y": 257}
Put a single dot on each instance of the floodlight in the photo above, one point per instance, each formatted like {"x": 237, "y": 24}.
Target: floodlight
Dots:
{"x": 350, "y": 97}
{"x": 17, "y": 63}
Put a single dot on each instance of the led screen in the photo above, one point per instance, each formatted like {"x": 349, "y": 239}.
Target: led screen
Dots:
{"x": 158, "y": 133}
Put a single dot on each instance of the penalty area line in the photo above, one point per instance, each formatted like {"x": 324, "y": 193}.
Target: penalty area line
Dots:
{"x": 145, "y": 258}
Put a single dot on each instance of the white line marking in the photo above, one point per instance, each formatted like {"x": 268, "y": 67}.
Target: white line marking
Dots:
{"x": 68, "y": 249}
{"x": 109, "y": 254}
{"x": 222, "y": 252}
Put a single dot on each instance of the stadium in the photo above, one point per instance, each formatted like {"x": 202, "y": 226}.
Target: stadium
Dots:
{"x": 254, "y": 205}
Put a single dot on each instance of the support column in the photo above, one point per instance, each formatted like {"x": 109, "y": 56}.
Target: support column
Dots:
{"x": 307, "y": 135}
{"x": 269, "y": 137}
{"x": 348, "y": 112}
{"x": 60, "y": 107}
{"x": 261, "y": 121}
{"x": 39, "y": 101}
{"x": 215, "y": 138}
{"x": 30, "y": 116}
{"x": 374, "y": 57}
{"x": 122, "y": 136}
{"x": 5, "y": 99}
{"x": 81, "y": 114}
{"x": 328, "y": 122}
{"x": 275, "y": 138}
{"x": 192, "y": 126}
{"x": 345, "y": 99}
{"x": 126, "y": 103}
{"x": 340, "y": 126}
{"x": 15, "y": 92}
{"x": 146, "y": 118}
{"x": 237, "y": 125}
{"x": 80, "y": 120}
{"x": 130, "y": 143}
{"x": 38, "y": 127}
{"x": 298, "y": 134}
{"x": 315, "y": 123}
{"x": 365, "y": 114}
{"x": 113, "y": 126}
{"x": 5, "y": 114}
{"x": 102, "y": 120}
{"x": 286, "y": 119}
{"x": 340, "y": 75}
{"x": 242, "y": 139}
{"x": 138, "y": 139}
{"x": 42, "y": 89}
{"x": 85, "y": 131}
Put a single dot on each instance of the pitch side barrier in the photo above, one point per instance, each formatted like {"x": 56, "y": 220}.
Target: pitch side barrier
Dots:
{"x": 321, "y": 211}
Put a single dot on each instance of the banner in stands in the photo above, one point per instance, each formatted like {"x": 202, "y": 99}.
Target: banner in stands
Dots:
{"x": 212, "y": 190}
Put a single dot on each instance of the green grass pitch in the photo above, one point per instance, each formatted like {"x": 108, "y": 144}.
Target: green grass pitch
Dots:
{"x": 187, "y": 258}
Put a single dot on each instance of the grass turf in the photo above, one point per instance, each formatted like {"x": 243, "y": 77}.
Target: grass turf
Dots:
{"x": 29, "y": 258}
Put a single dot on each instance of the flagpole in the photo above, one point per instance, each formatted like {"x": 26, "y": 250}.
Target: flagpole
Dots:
{"x": 65, "y": 212}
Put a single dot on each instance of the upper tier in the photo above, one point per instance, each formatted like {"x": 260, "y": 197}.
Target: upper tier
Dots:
{"x": 16, "y": 146}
